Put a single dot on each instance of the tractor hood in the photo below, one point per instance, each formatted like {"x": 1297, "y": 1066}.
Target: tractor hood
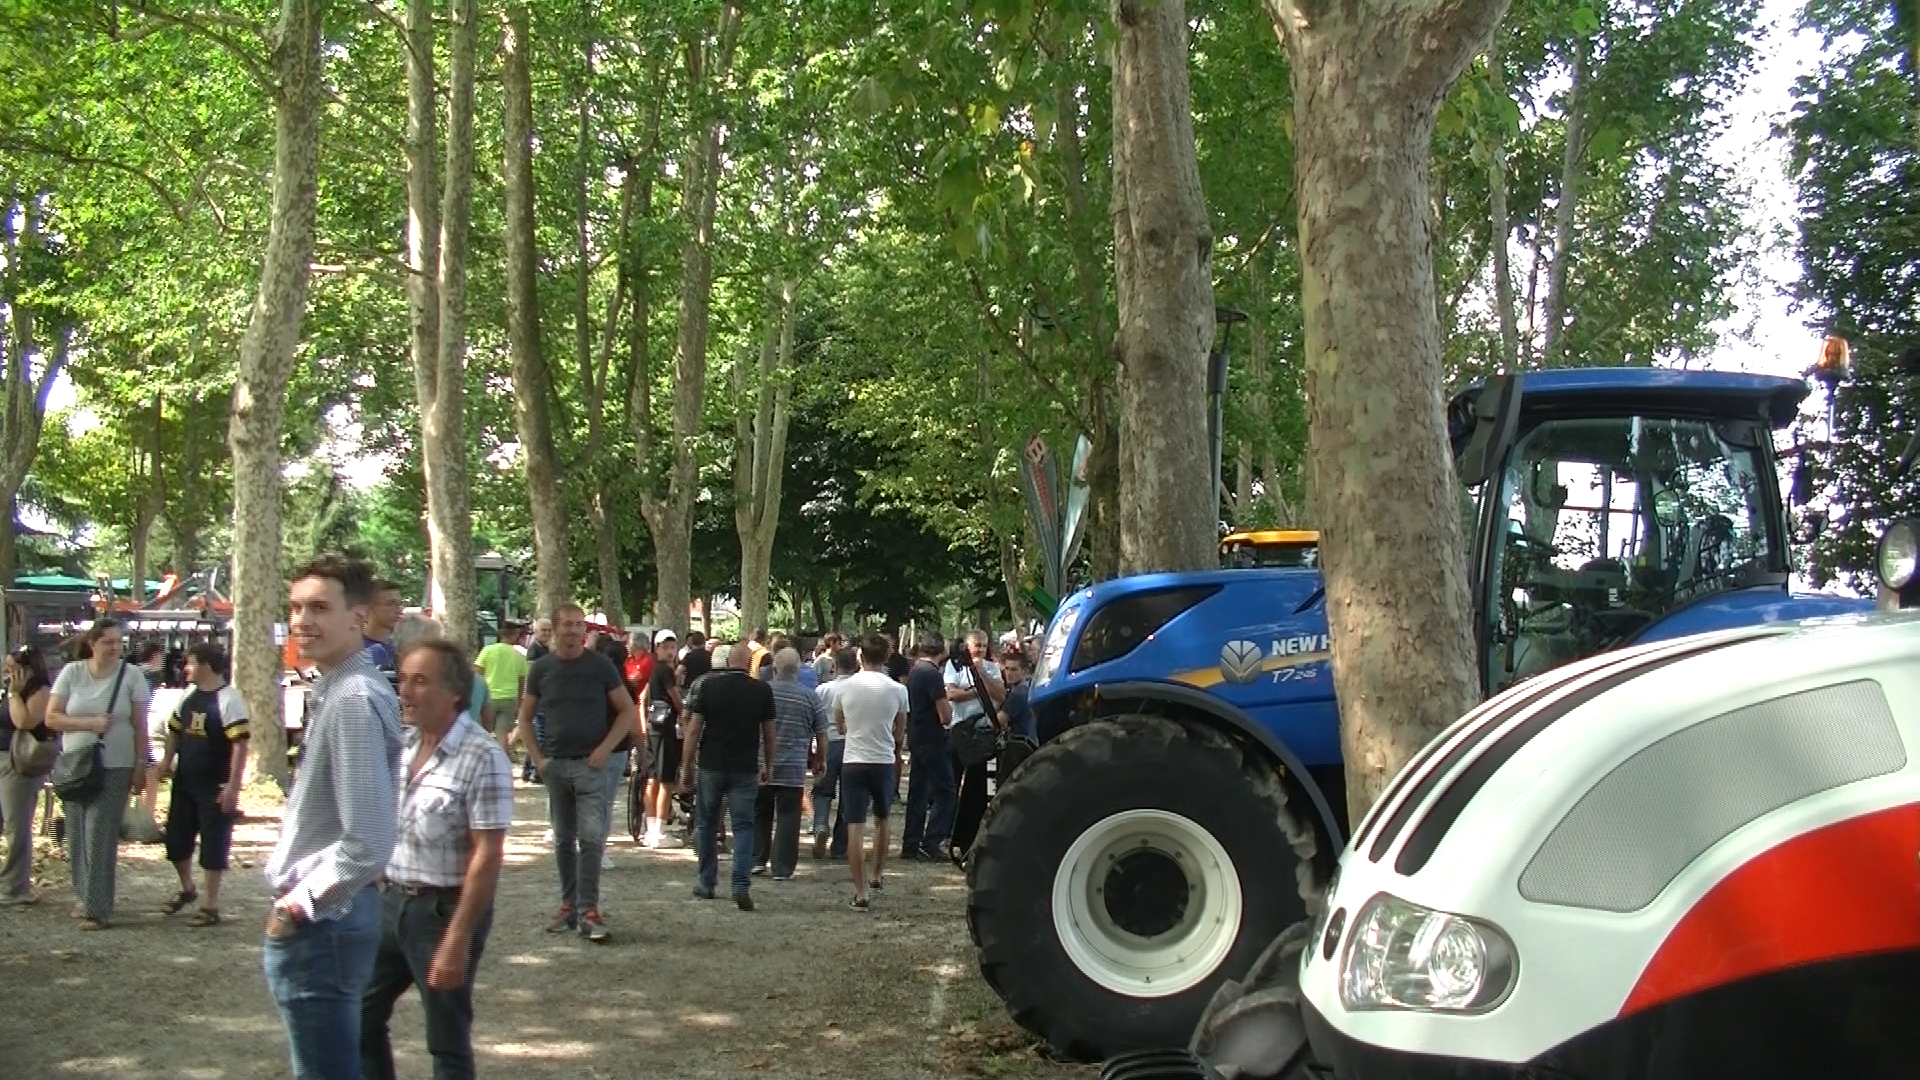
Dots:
{"x": 1256, "y": 639}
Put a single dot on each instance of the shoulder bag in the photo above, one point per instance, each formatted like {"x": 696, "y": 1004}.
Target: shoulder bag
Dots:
{"x": 31, "y": 754}
{"x": 78, "y": 774}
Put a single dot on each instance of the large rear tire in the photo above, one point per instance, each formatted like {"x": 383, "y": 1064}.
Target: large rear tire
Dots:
{"x": 1132, "y": 867}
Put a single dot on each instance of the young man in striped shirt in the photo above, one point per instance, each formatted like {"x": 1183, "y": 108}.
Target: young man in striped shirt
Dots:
{"x": 456, "y": 804}
{"x": 338, "y": 830}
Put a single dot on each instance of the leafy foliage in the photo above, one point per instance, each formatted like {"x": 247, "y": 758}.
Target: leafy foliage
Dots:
{"x": 945, "y": 219}
{"x": 1856, "y": 154}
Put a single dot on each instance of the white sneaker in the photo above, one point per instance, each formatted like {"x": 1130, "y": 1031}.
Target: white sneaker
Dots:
{"x": 606, "y": 863}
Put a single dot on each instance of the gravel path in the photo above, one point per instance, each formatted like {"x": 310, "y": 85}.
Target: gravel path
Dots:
{"x": 801, "y": 987}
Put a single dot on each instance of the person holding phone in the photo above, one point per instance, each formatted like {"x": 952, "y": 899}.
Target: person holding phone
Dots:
{"x": 28, "y": 691}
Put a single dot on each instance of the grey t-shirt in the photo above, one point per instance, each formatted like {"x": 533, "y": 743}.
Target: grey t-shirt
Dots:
{"x": 573, "y": 694}
{"x": 87, "y": 696}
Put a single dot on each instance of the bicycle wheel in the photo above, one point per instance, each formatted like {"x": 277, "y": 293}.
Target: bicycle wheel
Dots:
{"x": 636, "y": 804}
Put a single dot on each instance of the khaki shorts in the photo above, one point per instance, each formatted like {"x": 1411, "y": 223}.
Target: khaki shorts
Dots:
{"x": 501, "y": 715}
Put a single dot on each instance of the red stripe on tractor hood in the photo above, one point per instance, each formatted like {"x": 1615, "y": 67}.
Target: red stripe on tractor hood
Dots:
{"x": 1848, "y": 889}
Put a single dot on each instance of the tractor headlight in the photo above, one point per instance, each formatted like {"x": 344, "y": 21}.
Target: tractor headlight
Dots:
{"x": 1058, "y": 635}
{"x": 1403, "y": 956}
{"x": 1899, "y": 555}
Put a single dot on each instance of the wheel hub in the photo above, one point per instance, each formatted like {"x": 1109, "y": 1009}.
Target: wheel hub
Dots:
{"x": 1146, "y": 892}
{"x": 1147, "y": 903}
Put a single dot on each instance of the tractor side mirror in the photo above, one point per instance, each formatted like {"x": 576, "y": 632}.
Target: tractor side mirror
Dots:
{"x": 1496, "y": 415}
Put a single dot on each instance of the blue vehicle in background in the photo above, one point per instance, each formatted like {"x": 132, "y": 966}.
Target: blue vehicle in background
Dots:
{"x": 1188, "y": 801}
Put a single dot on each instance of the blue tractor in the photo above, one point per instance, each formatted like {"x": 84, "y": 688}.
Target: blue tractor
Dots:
{"x": 1187, "y": 801}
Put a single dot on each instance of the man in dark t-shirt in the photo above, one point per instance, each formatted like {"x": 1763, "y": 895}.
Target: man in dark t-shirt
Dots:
{"x": 931, "y": 785}
{"x": 730, "y": 740}
{"x": 588, "y": 714}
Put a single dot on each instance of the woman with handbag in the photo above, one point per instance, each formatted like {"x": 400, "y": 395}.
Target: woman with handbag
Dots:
{"x": 99, "y": 706}
{"x": 29, "y": 749}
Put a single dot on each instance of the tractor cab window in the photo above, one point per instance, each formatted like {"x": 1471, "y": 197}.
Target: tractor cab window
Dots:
{"x": 1603, "y": 526}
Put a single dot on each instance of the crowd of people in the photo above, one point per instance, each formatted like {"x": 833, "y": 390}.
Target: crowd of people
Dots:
{"x": 392, "y": 840}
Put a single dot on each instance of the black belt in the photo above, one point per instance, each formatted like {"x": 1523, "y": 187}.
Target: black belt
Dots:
{"x": 410, "y": 889}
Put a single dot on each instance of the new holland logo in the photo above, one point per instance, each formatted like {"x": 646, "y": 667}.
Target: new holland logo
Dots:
{"x": 1240, "y": 661}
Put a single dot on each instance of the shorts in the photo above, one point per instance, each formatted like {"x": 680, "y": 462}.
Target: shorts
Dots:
{"x": 863, "y": 785}
{"x": 663, "y": 754}
{"x": 501, "y": 716}
{"x": 196, "y": 814}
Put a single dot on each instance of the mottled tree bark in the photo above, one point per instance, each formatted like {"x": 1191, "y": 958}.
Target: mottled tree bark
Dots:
{"x": 266, "y": 363}
{"x": 28, "y": 368}
{"x": 449, "y": 498}
{"x": 762, "y": 412}
{"x": 1163, "y": 270}
{"x": 1502, "y": 229}
{"x": 671, "y": 519}
{"x": 1572, "y": 162}
{"x": 437, "y": 302}
{"x": 1367, "y": 81}
{"x": 552, "y": 577}
{"x": 29, "y": 379}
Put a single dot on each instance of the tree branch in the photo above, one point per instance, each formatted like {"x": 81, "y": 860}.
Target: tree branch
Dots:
{"x": 203, "y": 26}
{"x": 1023, "y": 354}
{"x": 28, "y": 146}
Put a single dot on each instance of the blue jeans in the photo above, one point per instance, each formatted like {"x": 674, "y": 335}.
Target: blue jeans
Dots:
{"x": 577, "y": 810}
{"x": 930, "y": 796}
{"x": 411, "y": 929}
{"x": 740, "y": 790}
{"x": 616, "y": 771}
{"x": 317, "y": 976}
{"x": 825, "y": 803}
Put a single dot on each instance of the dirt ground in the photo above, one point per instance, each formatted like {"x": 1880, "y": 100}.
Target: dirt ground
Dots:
{"x": 801, "y": 987}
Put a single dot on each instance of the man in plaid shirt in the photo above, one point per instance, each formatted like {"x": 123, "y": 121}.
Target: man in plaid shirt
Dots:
{"x": 456, "y": 803}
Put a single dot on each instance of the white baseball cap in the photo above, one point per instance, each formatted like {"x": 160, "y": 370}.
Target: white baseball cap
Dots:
{"x": 664, "y": 634}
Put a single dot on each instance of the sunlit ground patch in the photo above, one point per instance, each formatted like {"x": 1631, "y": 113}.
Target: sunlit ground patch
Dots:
{"x": 559, "y": 1048}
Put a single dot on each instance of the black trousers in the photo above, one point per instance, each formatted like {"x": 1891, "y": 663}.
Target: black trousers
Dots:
{"x": 411, "y": 928}
{"x": 776, "y": 828}
{"x": 971, "y": 809}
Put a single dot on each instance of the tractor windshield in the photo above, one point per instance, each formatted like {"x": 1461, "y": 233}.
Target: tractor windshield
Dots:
{"x": 1603, "y": 526}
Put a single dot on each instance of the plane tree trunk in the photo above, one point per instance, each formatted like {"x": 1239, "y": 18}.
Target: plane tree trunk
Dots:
{"x": 552, "y": 580}
{"x": 266, "y": 363}
{"x": 437, "y": 225}
{"x": 1163, "y": 269}
{"x": 28, "y": 370}
{"x": 761, "y": 416}
{"x": 1368, "y": 79}
{"x": 670, "y": 515}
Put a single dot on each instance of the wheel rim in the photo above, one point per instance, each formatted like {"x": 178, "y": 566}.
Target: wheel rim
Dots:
{"x": 1147, "y": 903}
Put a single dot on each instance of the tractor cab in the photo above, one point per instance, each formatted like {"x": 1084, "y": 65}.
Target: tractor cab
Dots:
{"x": 1619, "y": 506}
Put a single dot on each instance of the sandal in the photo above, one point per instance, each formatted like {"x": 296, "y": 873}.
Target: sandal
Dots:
{"x": 93, "y": 924}
{"x": 860, "y": 904}
{"x": 875, "y": 884}
{"x": 180, "y": 900}
{"x": 206, "y": 916}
